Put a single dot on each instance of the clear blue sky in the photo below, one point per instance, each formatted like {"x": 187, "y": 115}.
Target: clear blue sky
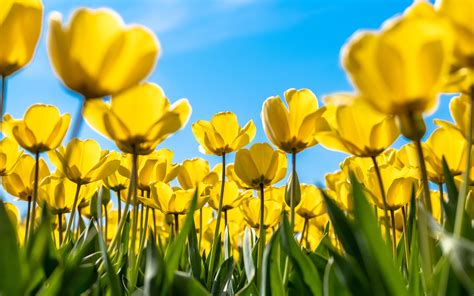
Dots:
{"x": 228, "y": 56}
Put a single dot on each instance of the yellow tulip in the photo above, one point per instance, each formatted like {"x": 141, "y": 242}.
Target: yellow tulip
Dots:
{"x": 459, "y": 108}
{"x": 138, "y": 119}
{"x": 96, "y": 55}
{"x": 20, "y": 28}
{"x": 260, "y": 165}
{"x": 223, "y": 134}
{"x": 251, "y": 211}
{"x": 116, "y": 181}
{"x": 461, "y": 15}
{"x": 83, "y": 161}
{"x": 339, "y": 189}
{"x": 354, "y": 127}
{"x": 41, "y": 129}
{"x": 206, "y": 217}
{"x": 58, "y": 193}
{"x": 292, "y": 129}
{"x": 21, "y": 180}
{"x": 407, "y": 156}
{"x": 172, "y": 200}
{"x": 448, "y": 143}
{"x": 231, "y": 199}
{"x": 195, "y": 173}
{"x": 401, "y": 68}
{"x": 311, "y": 204}
{"x": 13, "y": 214}
{"x": 276, "y": 194}
{"x": 9, "y": 156}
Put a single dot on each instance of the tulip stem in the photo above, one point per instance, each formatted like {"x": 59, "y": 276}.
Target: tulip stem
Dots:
{"x": 405, "y": 237}
{"x": 465, "y": 183}
{"x": 394, "y": 233}
{"x": 424, "y": 176}
{"x": 200, "y": 228}
{"x": 441, "y": 198}
{"x": 73, "y": 212}
{"x": 119, "y": 205}
{"x": 35, "y": 194}
{"x": 27, "y": 219}
{"x": 2, "y": 97}
{"x": 384, "y": 201}
{"x": 292, "y": 198}
{"x": 106, "y": 216}
{"x": 76, "y": 128}
{"x": 154, "y": 221}
{"x": 218, "y": 220}
{"x": 60, "y": 228}
{"x": 176, "y": 224}
{"x": 261, "y": 240}
{"x": 225, "y": 217}
{"x": 131, "y": 190}
{"x": 303, "y": 231}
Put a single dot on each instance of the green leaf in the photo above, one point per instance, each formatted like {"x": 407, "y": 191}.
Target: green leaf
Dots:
{"x": 332, "y": 284}
{"x": 272, "y": 280}
{"x": 183, "y": 284}
{"x": 303, "y": 265}
{"x": 10, "y": 271}
{"x": 154, "y": 269}
{"x": 194, "y": 257}
{"x": 368, "y": 235}
{"x": 222, "y": 281}
{"x": 227, "y": 243}
{"x": 249, "y": 265}
{"x": 414, "y": 280}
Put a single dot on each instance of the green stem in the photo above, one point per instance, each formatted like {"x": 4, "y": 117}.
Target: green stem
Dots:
{"x": 465, "y": 184}
{"x": 27, "y": 219}
{"x": 131, "y": 191}
{"x": 261, "y": 241}
{"x": 2, "y": 97}
{"x": 35, "y": 194}
{"x": 73, "y": 211}
{"x": 405, "y": 238}
{"x": 441, "y": 198}
{"x": 384, "y": 201}
{"x": 60, "y": 228}
{"x": 292, "y": 205}
{"x": 119, "y": 205}
{"x": 200, "y": 228}
{"x": 176, "y": 223}
{"x": 106, "y": 216}
{"x": 424, "y": 176}
{"x": 303, "y": 232}
{"x": 394, "y": 234}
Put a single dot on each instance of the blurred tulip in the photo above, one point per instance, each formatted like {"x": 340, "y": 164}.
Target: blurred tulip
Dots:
{"x": 407, "y": 156}
{"x": 223, "y": 134}
{"x": 292, "y": 129}
{"x": 232, "y": 197}
{"x": 138, "y": 119}
{"x": 311, "y": 204}
{"x": 448, "y": 143}
{"x": 9, "y": 156}
{"x": 339, "y": 189}
{"x": 416, "y": 50}
{"x": 13, "y": 214}
{"x": 354, "y": 127}
{"x": 116, "y": 181}
{"x": 459, "y": 107}
{"x": 41, "y": 129}
{"x": 260, "y": 165}
{"x": 20, "y": 28}
{"x": 96, "y": 55}
{"x": 195, "y": 173}
{"x": 83, "y": 161}
{"x": 155, "y": 167}
{"x": 20, "y": 182}
{"x": 251, "y": 212}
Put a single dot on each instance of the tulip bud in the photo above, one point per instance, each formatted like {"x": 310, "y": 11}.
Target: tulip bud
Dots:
{"x": 411, "y": 125}
{"x": 293, "y": 188}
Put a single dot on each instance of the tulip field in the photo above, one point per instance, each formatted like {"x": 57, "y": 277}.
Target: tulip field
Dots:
{"x": 132, "y": 221}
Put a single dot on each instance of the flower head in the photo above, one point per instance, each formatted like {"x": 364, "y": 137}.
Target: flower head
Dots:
{"x": 292, "y": 129}
{"x": 223, "y": 134}
{"x": 138, "y": 119}
{"x": 20, "y": 28}
{"x": 311, "y": 204}
{"x": 96, "y": 55}
{"x": 9, "y": 156}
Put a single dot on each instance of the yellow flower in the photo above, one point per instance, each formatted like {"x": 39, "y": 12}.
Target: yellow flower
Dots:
{"x": 232, "y": 196}
{"x": 206, "y": 217}
{"x": 58, "y": 193}
{"x": 171, "y": 200}
{"x": 9, "y": 156}
{"x": 402, "y": 68}
{"x": 260, "y": 165}
{"x": 116, "y": 181}
{"x": 20, "y": 28}
{"x": 292, "y": 129}
{"x": 461, "y": 15}
{"x": 355, "y": 127}
{"x": 138, "y": 119}
{"x": 407, "y": 156}
{"x": 195, "y": 173}
{"x": 83, "y": 161}
{"x": 459, "y": 107}
{"x": 223, "y": 134}
{"x": 339, "y": 189}
{"x": 96, "y": 55}
{"x": 251, "y": 211}
{"x": 41, "y": 129}
{"x": 13, "y": 214}
{"x": 311, "y": 204}
{"x": 21, "y": 180}
{"x": 448, "y": 143}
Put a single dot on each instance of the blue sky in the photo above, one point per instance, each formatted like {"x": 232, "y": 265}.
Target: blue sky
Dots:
{"x": 227, "y": 56}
